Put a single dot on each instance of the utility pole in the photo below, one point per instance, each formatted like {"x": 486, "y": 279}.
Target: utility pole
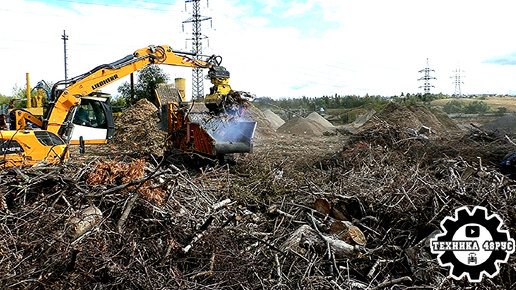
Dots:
{"x": 457, "y": 81}
{"x": 197, "y": 37}
{"x": 65, "y": 38}
{"x": 426, "y": 78}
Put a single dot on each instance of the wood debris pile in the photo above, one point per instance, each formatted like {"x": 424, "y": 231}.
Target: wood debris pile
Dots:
{"x": 356, "y": 218}
{"x": 137, "y": 130}
{"x": 503, "y": 125}
{"x": 195, "y": 235}
{"x": 405, "y": 187}
{"x": 412, "y": 117}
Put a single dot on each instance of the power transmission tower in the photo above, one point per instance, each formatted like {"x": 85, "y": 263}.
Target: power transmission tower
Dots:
{"x": 64, "y": 37}
{"x": 197, "y": 37}
{"x": 426, "y": 78}
{"x": 457, "y": 81}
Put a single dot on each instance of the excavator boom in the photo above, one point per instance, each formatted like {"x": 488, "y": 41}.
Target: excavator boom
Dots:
{"x": 106, "y": 74}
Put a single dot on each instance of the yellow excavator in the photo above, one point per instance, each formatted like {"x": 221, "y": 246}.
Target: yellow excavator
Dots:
{"x": 75, "y": 113}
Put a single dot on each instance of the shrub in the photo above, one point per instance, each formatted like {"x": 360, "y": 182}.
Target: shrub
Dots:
{"x": 476, "y": 107}
{"x": 454, "y": 106}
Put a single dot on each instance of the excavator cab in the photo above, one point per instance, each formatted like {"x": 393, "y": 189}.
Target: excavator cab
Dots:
{"x": 92, "y": 120}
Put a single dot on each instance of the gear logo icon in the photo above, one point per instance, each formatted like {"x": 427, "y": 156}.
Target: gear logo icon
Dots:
{"x": 472, "y": 244}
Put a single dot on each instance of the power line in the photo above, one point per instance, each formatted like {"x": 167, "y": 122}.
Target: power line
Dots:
{"x": 197, "y": 37}
{"x": 426, "y": 78}
{"x": 457, "y": 81}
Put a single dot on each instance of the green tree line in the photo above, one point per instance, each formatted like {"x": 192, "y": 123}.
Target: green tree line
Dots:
{"x": 325, "y": 102}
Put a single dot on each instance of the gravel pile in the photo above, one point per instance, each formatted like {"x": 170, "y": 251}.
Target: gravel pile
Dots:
{"x": 504, "y": 125}
{"x": 302, "y": 126}
{"x": 321, "y": 120}
{"x": 275, "y": 120}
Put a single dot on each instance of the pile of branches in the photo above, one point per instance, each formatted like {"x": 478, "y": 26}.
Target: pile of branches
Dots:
{"x": 104, "y": 226}
{"x": 101, "y": 225}
{"x": 357, "y": 219}
{"x": 404, "y": 187}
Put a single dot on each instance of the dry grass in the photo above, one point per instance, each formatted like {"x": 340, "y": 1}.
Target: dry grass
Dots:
{"x": 494, "y": 102}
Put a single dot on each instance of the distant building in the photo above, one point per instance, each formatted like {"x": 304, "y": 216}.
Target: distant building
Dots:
{"x": 480, "y": 95}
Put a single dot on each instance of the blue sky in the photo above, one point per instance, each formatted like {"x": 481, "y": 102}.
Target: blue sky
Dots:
{"x": 279, "y": 49}
{"x": 508, "y": 59}
{"x": 306, "y": 16}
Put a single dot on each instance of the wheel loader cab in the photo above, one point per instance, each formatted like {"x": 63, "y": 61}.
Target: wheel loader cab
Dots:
{"x": 93, "y": 121}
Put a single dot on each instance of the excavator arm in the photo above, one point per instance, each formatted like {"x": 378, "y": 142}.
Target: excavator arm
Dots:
{"x": 22, "y": 118}
{"x": 104, "y": 75}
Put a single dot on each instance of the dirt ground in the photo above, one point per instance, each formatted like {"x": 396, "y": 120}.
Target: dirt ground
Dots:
{"x": 190, "y": 223}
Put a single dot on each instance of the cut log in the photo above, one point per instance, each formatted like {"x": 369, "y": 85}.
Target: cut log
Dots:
{"x": 338, "y": 227}
{"x": 355, "y": 235}
{"x": 305, "y": 238}
{"x": 322, "y": 205}
{"x": 84, "y": 221}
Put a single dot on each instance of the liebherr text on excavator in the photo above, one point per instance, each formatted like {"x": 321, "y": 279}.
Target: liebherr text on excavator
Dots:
{"x": 31, "y": 141}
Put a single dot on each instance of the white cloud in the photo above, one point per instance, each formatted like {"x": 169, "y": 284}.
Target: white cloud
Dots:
{"x": 298, "y": 9}
{"x": 271, "y": 5}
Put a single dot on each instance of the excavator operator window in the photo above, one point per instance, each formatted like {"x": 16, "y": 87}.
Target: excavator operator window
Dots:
{"x": 91, "y": 114}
